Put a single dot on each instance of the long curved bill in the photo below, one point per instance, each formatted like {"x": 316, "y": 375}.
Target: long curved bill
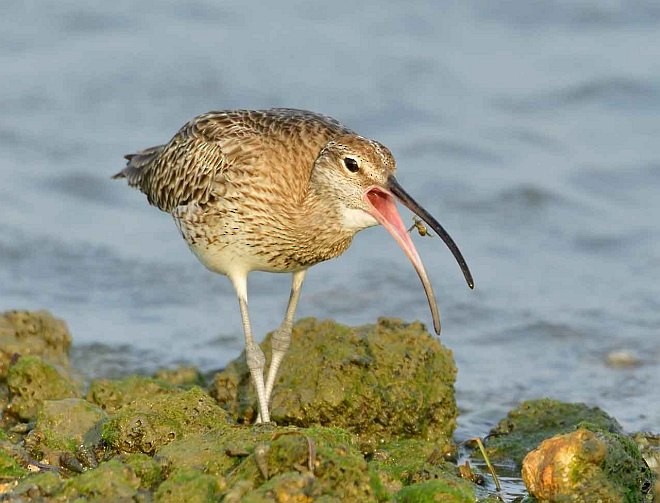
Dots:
{"x": 384, "y": 209}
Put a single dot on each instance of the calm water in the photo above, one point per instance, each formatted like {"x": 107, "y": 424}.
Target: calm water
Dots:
{"x": 530, "y": 129}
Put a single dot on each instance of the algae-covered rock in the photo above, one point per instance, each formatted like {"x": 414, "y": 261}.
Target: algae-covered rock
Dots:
{"x": 313, "y": 463}
{"x": 148, "y": 470}
{"x": 378, "y": 381}
{"x": 404, "y": 462}
{"x": 31, "y": 381}
{"x": 111, "y": 481}
{"x": 147, "y": 424}
{"x": 64, "y": 425}
{"x": 191, "y": 486}
{"x": 10, "y": 468}
{"x": 266, "y": 462}
{"x": 112, "y": 394}
{"x": 649, "y": 446}
{"x": 33, "y": 333}
{"x": 585, "y": 466}
{"x": 213, "y": 452}
{"x": 535, "y": 420}
{"x": 40, "y": 486}
{"x": 437, "y": 490}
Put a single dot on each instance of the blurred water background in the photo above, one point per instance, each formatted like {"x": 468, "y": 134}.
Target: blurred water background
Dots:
{"x": 530, "y": 129}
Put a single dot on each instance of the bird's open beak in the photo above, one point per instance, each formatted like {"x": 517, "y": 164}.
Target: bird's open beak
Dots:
{"x": 383, "y": 208}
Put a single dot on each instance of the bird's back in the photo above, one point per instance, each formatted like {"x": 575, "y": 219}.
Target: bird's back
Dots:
{"x": 217, "y": 149}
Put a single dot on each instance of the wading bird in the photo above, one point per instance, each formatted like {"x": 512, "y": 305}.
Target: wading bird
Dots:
{"x": 276, "y": 190}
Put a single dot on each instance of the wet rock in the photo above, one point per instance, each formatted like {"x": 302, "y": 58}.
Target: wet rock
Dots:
{"x": 10, "y": 467}
{"x": 410, "y": 461}
{"x": 585, "y": 466}
{"x": 190, "y": 486}
{"x": 112, "y": 395}
{"x": 38, "y": 487}
{"x": 535, "y": 420}
{"x": 31, "y": 381}
{"x": 380, "y": 382}
{"x": 268, "y": 462}
{"x": 148, "y": 470}
{"x": 649, "y": 446}
{"x": 147, "y": 424}
{"x": 111, "y": 481}
{"x": 69, "y": 425}
{"x": 33, "y": 333}
{"x": 215, "y": 452}
{"x": 440, "y": 490}
{"x": 303, "y": 465}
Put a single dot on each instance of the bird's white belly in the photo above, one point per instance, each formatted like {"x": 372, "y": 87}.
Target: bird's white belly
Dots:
{"x": 220, "y": 245}
{"x": 230, "y": 258}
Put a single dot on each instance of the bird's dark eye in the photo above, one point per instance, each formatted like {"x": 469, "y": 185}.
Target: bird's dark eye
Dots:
{"x": 351, "y": 164}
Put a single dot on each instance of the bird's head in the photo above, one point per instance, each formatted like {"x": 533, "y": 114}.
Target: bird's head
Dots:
{"x": 356, "y": 175}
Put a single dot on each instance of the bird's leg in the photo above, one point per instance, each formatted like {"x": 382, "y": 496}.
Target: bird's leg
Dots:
{"x": 282, "y": 336}
{"x": 256, "y": 360}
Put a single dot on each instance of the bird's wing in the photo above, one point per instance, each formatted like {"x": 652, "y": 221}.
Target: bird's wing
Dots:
{"x": 214, "y": 148}
{"x": 189, "y": 168}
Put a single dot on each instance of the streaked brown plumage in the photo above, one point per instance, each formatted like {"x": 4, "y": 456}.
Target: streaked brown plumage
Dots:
{"x": 275, "y": 190}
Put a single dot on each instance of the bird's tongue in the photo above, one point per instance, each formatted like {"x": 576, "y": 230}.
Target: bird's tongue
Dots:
{"x": 384, "y": 210}
{"x": 386, "y": 213}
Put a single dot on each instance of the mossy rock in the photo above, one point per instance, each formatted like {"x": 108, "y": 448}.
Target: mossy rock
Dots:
{"x": 585, "y": 466}
{"x": 405, "y": 462}
{"x": 31, "y": 381}
{"x": 437, "y": 490}
{"x": 381, "y": 381}
{"x": 191, "y": 486}
{"x": 40, "y": 486}
{"x": 65, "y": 426}
{"x": 215, "y": 452}
{"x": 111, "y": 481}
{"x": 10, "y": 468}
{"x": 316, "y": 462}
{"x": 147, "y": 424}
{"x": 148, "y": 470}
{"x": 33, "y": 333}
{"x": 112, "y": 394}
{"x": 535, "y": 420}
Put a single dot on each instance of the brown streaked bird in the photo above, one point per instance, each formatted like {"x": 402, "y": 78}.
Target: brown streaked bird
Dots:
{"x": 276, "y": 190}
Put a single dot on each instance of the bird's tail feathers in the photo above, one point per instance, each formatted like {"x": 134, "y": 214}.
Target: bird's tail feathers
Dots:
{"x": 137, "y": 162}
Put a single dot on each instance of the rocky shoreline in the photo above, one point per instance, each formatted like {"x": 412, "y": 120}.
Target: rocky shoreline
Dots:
{"x": 362, "y": 414}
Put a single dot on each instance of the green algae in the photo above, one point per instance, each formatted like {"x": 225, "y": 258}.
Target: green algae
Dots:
{"x": 378, "y": 381}
{"x": 409, "y": 461}
{"x": 66, "y": 425}
{"x": 10, "y": 468}
{"x": 148, "y": 470}
{"x": 215, "y": 452}
{"x": 111, "y": 481}
{"x": 112, "y": 395}
{"x": 38, "y": 486}
{"x": 191, "y": 486}
{"x": 31, "y": 381}
{"x": 437, "y": 490}
{"x": 535, "y": 420}
{"x": 146, "y": 425}
{"x": 364, "y": 414}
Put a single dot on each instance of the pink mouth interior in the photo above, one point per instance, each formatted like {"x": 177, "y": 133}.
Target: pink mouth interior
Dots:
{"x": 383, "y": 209}
{"x": 387, "y": 214}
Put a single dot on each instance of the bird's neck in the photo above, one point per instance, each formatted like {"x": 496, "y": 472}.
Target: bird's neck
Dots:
{"x": 319, "y": 229}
